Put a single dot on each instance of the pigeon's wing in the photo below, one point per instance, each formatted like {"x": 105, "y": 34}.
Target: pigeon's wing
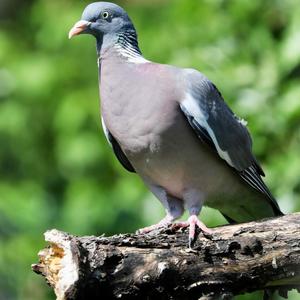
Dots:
{"x": 218, "y": 127}
{"x": 117, "y": 149}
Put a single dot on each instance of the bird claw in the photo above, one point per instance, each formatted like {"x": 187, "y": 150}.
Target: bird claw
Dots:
{"x": 191, "y": 242}
{"x": 160, "y": 225}
{"x": 192, "y": 222}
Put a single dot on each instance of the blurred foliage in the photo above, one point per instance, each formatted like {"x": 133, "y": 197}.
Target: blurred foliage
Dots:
{"x": 56, "y": 169}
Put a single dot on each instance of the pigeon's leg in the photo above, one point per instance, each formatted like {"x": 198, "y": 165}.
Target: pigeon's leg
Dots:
{"x": 173, "y": 206}
{"x": 193, "y": 202}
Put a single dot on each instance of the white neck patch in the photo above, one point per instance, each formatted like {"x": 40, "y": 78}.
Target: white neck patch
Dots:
{"x": 131, "y": 55}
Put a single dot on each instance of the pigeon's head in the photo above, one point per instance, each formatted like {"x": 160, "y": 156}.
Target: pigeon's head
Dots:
{"x": 100, "y": 18}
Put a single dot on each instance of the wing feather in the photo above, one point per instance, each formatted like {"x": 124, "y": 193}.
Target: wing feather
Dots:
{"x": 218, "y": 127}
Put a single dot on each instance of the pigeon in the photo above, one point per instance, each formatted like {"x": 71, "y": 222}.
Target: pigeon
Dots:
{"x": 172, "y": 127}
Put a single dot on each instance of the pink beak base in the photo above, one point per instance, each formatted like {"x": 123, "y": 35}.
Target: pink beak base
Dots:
{"x": 78, "y": 28}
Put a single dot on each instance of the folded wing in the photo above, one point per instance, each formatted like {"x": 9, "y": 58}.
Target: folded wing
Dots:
{"x": 219, "y": 128}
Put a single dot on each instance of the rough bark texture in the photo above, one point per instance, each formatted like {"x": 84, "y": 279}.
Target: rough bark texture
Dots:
{"x": 234, "y": 260}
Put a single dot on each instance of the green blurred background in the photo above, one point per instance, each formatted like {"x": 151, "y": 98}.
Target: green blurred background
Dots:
{"x": 56, "y": 169}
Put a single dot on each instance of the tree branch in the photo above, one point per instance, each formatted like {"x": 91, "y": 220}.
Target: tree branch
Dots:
{"x": 234, "y": 260}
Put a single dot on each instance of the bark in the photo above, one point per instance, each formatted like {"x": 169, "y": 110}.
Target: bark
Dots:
{"x": 235, "y": 259}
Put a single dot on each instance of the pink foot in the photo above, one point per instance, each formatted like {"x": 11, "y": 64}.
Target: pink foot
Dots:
{"x": 165, "y": 222}
{"x": 192, "y": 222}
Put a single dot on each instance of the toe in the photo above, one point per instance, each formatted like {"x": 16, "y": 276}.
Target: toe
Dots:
{"x": 204, "y": 228}
{"x": 178, "y": 225}
{"x": 192, "y": 230}
{"x": 162, "y": 224}
{"x": 194, "y": 220}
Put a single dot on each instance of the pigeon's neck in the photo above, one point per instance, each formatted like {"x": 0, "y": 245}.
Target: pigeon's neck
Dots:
{"x": 124, "y": 44}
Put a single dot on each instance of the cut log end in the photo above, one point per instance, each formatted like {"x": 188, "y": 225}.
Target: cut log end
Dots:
{"x": 58, "y": 263}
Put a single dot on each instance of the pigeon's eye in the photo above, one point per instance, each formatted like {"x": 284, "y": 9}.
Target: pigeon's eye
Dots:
{"x": 105, "y": 15}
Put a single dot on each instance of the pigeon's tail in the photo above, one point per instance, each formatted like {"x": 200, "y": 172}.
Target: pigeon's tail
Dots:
{"x": 277, "y": 211}
{"x": 273, "y": 202}
{"x": 229, "y": 220}
{"x": 253, "y": 209}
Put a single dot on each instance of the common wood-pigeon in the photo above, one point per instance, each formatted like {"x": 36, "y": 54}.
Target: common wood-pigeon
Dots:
{"x": 173, "y": 128}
